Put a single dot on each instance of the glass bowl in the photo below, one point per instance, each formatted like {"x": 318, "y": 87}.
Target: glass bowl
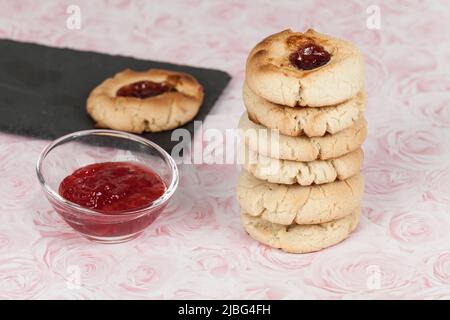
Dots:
{"x": 65, "y": 155}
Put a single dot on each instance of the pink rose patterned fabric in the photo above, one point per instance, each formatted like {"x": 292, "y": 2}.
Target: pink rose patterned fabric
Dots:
{"x": 197, "y": 248}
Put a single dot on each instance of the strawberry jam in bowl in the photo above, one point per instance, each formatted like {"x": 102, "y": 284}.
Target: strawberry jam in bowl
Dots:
{"x": 107, "y": 185}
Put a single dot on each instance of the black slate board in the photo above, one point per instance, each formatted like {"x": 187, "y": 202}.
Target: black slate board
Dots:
{"x": 43, "y": 90}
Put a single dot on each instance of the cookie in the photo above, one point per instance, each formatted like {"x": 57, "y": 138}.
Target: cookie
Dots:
{"x": 305, "y": 69}
{"x": 300, "y": 238}
{"x": 302, "y": 173}
{"x": 287, "y": 204}
{"x": 312, "y": 122}
{"x": 145, "y": 101}
{"x": 272, "y": 144}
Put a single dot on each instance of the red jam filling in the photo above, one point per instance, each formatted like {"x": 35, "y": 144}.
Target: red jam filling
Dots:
{"x": 144, "y": 89}
{"x": 310, "y": 56}
{"x": 112, "y": 187}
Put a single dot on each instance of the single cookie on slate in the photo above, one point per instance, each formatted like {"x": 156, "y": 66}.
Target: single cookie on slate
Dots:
{"x": 287, "y": 204}
{"x": 312, "y": 122}
{"x": 148, "y": 101}
{"x": 270, "y": 143}
{"x": 300, "y": 238}
{"x": 302, "y": 173}
{"x": 305, "y": 69}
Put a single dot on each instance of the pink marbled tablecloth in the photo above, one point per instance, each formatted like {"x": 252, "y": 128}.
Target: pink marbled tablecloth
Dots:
{"x": 198, "y": 249}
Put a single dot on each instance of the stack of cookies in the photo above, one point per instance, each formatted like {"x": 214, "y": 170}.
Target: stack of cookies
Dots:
{"x": 301, "y": 186}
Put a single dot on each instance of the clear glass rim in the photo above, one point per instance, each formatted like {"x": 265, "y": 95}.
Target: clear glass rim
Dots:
{"x": 113, "y": 133}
